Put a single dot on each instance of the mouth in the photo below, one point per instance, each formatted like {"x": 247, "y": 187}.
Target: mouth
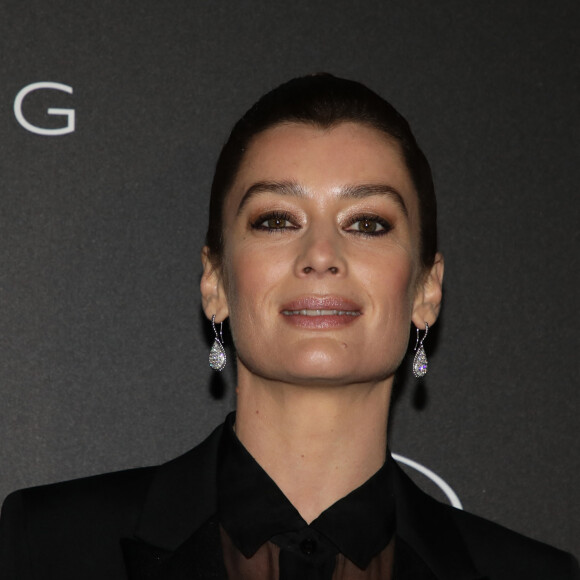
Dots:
{"x": 321, "y": 312}
{"x": 307, "y": 312}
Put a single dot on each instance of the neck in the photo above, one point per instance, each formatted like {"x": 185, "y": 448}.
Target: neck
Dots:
{"x": 316, "y": 443}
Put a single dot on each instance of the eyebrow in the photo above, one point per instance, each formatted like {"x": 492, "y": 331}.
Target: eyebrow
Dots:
{"x": 347, "y": 192}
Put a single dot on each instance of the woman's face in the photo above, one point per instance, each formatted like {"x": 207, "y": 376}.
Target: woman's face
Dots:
{"x": 321, "y": 273}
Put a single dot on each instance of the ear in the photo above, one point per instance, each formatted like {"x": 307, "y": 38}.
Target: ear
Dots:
{"x": 428, "y": 297}
{"x": 213, "y": 296}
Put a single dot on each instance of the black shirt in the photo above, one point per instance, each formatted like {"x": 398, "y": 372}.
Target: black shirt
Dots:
{"x": 263, "y": 533}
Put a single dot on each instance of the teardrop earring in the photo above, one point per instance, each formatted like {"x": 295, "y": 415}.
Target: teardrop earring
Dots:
{"x": 217, "y": 354}
{"x": 420, "y": 362}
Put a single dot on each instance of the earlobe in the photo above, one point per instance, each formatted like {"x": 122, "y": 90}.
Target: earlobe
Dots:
{"x": 429, "y": 295}
{"x": 213, "y": 297}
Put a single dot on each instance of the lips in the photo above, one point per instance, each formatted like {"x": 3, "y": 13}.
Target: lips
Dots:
{"x": 306, "y": 312}
{"x": 321, "y": 312}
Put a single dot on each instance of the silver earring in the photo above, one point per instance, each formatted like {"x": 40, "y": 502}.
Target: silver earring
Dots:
{"x": 217, "y": 354}
{"x": 420, "y": 362}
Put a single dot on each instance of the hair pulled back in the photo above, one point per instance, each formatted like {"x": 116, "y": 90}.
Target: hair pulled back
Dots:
{"x": 324, "y": 101}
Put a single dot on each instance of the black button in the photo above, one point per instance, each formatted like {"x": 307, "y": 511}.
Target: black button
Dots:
{"x": 308, "y": 546}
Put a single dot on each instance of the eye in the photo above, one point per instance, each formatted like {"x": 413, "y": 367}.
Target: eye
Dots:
{"x": 274, "y": 221}
{"x": 369, "y": 225}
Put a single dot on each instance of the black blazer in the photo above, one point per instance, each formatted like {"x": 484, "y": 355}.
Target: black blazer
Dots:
{"x": 156, "y": 523}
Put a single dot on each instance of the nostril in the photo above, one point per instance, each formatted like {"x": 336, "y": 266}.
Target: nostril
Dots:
{"x": 309, "y": 269}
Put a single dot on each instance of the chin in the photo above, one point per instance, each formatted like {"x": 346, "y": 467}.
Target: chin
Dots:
{"x": 320, "y": 364}
{"x": 328, "y": 363}
{"x": 325, "y": 371}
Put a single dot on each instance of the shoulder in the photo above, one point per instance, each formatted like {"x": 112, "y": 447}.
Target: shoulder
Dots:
{"x": 499, "y": 552}
{"x": 119, "y": 492}
{"x": 455, "y": 543}
{"x": 56, "y": 527}
{"x": 75, "y": 529}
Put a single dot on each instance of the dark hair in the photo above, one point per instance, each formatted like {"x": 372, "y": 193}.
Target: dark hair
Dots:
{"x": 323, "y": 100}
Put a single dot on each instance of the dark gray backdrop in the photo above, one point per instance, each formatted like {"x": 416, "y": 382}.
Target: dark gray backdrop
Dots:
{"x": 103, "y": 345}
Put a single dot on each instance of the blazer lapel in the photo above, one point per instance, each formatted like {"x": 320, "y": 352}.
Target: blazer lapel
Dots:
{"x": 198, "y": 558}
{"x": 427, "y": 526}
{"x": 177, "y": 537}
{"x": 142, "y": 561}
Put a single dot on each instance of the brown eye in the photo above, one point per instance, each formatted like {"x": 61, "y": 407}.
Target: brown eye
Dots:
{"x": 367, "y": 226}
{"x": 372, "y": 226}
{"x": 276, "y": 223}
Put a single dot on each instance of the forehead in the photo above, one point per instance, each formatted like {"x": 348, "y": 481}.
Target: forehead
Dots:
{"x": 322, "y": 160}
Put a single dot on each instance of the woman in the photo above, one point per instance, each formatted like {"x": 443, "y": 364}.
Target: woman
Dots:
{"x": 321, "y": 253}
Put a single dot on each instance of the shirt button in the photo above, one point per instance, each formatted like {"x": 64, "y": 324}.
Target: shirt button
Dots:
{"x": 308, "y": 546}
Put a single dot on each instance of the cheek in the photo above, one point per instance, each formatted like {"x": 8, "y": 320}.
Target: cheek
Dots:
{"x": 393, "y": 282}
{"x": 395, "y": 308}
{"x": 248, "y": 279}
{"x": 253, "y": 282}
{"x": 404, "y": 281}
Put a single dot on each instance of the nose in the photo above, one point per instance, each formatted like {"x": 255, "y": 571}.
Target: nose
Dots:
{"x": 321, "y": 254}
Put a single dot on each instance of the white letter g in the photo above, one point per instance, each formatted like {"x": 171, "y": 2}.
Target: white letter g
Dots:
{"x": 69, "y": 113}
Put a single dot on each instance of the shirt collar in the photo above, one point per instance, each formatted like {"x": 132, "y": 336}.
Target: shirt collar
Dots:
{"x": 253, "y": 509}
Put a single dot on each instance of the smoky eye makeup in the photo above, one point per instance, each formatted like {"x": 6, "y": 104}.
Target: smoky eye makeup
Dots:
{"x": 367, "y": 225}
{"x": 273, "y": 221}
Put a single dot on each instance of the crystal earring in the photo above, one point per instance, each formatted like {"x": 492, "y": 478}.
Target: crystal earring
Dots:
{"x": 420, "y": 362}
{"x": 217, "y": 354}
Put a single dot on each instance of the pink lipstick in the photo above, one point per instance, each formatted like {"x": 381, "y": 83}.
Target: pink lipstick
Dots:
{"x": 320, "y": 312}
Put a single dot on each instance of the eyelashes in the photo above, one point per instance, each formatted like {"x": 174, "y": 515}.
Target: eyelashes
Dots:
{"x": 275, "y": 221}
{"x": 367, "y": 225}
